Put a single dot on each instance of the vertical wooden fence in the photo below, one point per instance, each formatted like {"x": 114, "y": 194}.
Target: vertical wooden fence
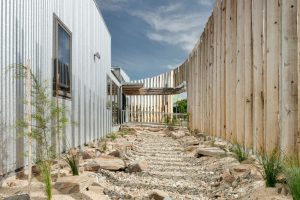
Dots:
{"x": 242, "y": 75}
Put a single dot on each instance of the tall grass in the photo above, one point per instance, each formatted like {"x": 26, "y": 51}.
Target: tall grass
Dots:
{"x": 240, "y": 152}
{"x": 292, "y": 174}
{"x": 272, "y": 167}
{"x": 45, "y": 168}
{"x": 71, "y": 160}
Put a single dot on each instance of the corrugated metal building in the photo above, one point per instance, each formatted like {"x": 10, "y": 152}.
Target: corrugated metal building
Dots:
{"x": 70, "y": 34}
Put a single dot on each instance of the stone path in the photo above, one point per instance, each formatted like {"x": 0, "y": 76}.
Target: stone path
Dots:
{"x": 176, "y": 165}
{"x": 180, "y": 175}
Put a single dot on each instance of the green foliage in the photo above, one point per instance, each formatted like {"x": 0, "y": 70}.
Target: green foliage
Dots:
{"x": 292, "y": 174}
{"x": 272, "y": 167}
{"x": 181, "y": 106}
{"x": 240, "y": 152}
{"x": 71, "y": 160}
{"x": 103, "y": 146}
{"x": 167, "y": 119}
{"x": 123, "y": 133}
{"x": 48, "y": 117}
{"x": 45, "y": 168}
{"x": 112, "y": 136}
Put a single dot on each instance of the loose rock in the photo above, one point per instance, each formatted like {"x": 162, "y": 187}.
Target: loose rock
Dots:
{"x": 158, "y": 195}
{"x": 210, "y": 151}
{"x": 138, "y": 166}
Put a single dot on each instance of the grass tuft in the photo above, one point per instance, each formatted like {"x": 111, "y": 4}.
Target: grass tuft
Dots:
{"x": 45, "y": 168}
{"x": 103, "y": 146}
{"x": 292, "y": 174}
{"x": 71, "y": 160}
{"x": 272, "y": 167}
{"x": 240, "y": 152}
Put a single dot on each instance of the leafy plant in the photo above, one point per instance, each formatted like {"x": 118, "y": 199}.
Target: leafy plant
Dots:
{"x": 47, "y": 117}
{"x": 103, "y": 147}
{"x": 240, "y": 152}
{"x": 174, "y": 121}
{"x": 167, "y": 119}
{"x": 112, "y": 136}
{"x": 272, "y": 167}
{"x": 71, "y": 159}
{"x": 292, "y": 174}
{"x": 124, "y": 132}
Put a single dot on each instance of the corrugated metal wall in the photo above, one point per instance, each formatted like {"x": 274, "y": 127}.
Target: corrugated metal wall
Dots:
{"x": 26, "y": 32}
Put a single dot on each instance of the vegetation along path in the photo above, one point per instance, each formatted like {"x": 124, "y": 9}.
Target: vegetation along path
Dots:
{"x": 146, "y": 162}
{"x": 177, "y": 165}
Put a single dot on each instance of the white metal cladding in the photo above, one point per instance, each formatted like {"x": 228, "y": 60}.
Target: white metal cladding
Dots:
{"x": 26, "y": 32}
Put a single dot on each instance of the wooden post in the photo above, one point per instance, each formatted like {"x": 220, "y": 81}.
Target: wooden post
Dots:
{"x": 29, "y": 121}
{"x": 289, "y": 79}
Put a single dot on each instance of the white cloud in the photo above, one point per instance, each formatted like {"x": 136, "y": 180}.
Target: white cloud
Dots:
{"x": 112, "y": 5}
{"x": 173, "y": 66}
{"x": 173, "y": 25}
{"x": 206, "y": 2}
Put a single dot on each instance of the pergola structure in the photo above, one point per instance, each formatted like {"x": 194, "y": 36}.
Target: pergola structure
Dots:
{"x": 136, "y": 89}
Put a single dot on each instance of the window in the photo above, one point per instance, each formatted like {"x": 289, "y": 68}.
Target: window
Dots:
{"x": 115, "y": 104}
{"x": 62, "y": 59}
{"x": 108, "y": 92}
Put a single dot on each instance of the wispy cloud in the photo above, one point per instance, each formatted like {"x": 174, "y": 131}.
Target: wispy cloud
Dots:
{"x": 172, "y": 24}
{"x": 206, "y": 2}
{"x": 112, "y": 5}
{"x": 173, "y": 66}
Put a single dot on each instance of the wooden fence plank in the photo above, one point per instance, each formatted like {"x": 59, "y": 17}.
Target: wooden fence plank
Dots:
{"x": 248, "y": 76}
{"x": 289, "y": 79}
{"x": 272, "y": 74}
{"x": 240, "y": 74}
{"x": 258, "y": 88}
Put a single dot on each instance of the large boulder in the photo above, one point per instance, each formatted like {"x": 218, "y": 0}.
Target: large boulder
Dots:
{"x": 138, "y": 166}
{"x": 117, "y": 153}
{"x": 210, "y": 151}
{"x": 111, "y": 163}
{"x": 73, "y": 184}
{"x": 90, "y": 165}
{"x": 88, "y": 154}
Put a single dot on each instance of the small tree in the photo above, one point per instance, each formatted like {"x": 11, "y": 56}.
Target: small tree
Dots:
{"x": 43, "y": 124}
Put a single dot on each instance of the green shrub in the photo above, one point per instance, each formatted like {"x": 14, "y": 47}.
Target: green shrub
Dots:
{"x": 272, "y": 166}
{"x": 103, "y": 146}
{"x": 124, "y": 132}
{"x": 71, "y": 160}
{"x": 292, "y": 174}
{"x": 113, "y": 136}
{"x": 240, "y": 152}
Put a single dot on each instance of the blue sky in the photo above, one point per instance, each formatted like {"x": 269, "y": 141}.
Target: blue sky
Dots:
{"x": 150, "y": 37}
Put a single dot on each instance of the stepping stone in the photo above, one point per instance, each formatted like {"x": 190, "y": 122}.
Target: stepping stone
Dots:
{"x": 74, "y": 184}
{"x": 18, "y": 197}
{"x": 210, "y": 151}
{"x": 111, "y": 163}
